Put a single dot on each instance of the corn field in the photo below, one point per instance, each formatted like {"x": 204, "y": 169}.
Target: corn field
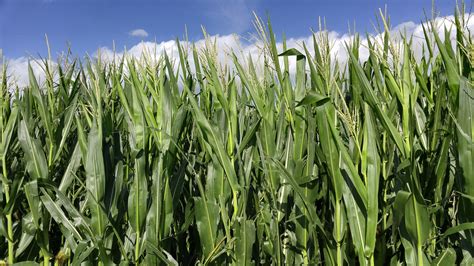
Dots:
{"x": 191, "y": 161}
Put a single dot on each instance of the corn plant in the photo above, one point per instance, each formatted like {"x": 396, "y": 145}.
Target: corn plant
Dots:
{"x": 190, "y": 161}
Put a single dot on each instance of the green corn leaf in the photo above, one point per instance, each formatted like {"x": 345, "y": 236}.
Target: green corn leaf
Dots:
{"x": 465, "y": 135}
{"x": 70, "y": 171}
{"x": 36, "y": 161}
{"x": 373, "y": 102}
{"x": 95, "y": 180}
{"x": 458, "y": 228}
{"x": 32, "y": 195}
{"x": 7, "y": 131}
{"x": 58, "y": 215}
{"x": 447, "y": 257}
{"x": 245, "y": 232}
{"x": 314, "y": 98}
{"x": 67, "y": 121}
{"x": 137, "y": 199}
{"x": 371, "y": 171}
{"x": 450, "y": 66}
{"x": 44, "y": 114}
{"x": 216, "y": 143}
{"x": 207, "y": 219}
{"x": 417, "y": 222}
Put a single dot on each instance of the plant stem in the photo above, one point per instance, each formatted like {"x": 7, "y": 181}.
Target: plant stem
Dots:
{"x": 50, "y": 157}
{"x": 420, "y": 255}
{"x": 45, "y": 258}
{"x": 6, "y": 188}
{"x": 137, "y": 248}
{"x": 9, "y": 228}
{"x": 338, "y": 235}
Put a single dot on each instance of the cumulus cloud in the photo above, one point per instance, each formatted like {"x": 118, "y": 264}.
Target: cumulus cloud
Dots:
{"x": 138, "y": 33}
{"x": 226, "y": 44}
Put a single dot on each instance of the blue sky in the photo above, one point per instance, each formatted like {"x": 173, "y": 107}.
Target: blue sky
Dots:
{"x": 88, "y": 25}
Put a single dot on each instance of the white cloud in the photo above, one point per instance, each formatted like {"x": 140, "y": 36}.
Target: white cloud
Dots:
{"x": 225, "y": 44}
{"x": 337, "y": 41}
{"x": 138, "y": 33}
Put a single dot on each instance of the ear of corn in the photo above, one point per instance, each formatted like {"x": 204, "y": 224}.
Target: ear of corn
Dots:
{"x": 161, "y": 161}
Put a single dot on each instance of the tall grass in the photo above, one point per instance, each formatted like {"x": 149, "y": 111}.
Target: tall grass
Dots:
{"x": 189, "y": 161}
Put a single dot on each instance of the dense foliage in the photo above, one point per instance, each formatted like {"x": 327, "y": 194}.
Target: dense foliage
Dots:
{"x": 138, "y": 161}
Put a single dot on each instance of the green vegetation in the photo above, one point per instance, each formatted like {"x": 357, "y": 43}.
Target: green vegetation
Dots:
{"x": 188, "y": 161}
